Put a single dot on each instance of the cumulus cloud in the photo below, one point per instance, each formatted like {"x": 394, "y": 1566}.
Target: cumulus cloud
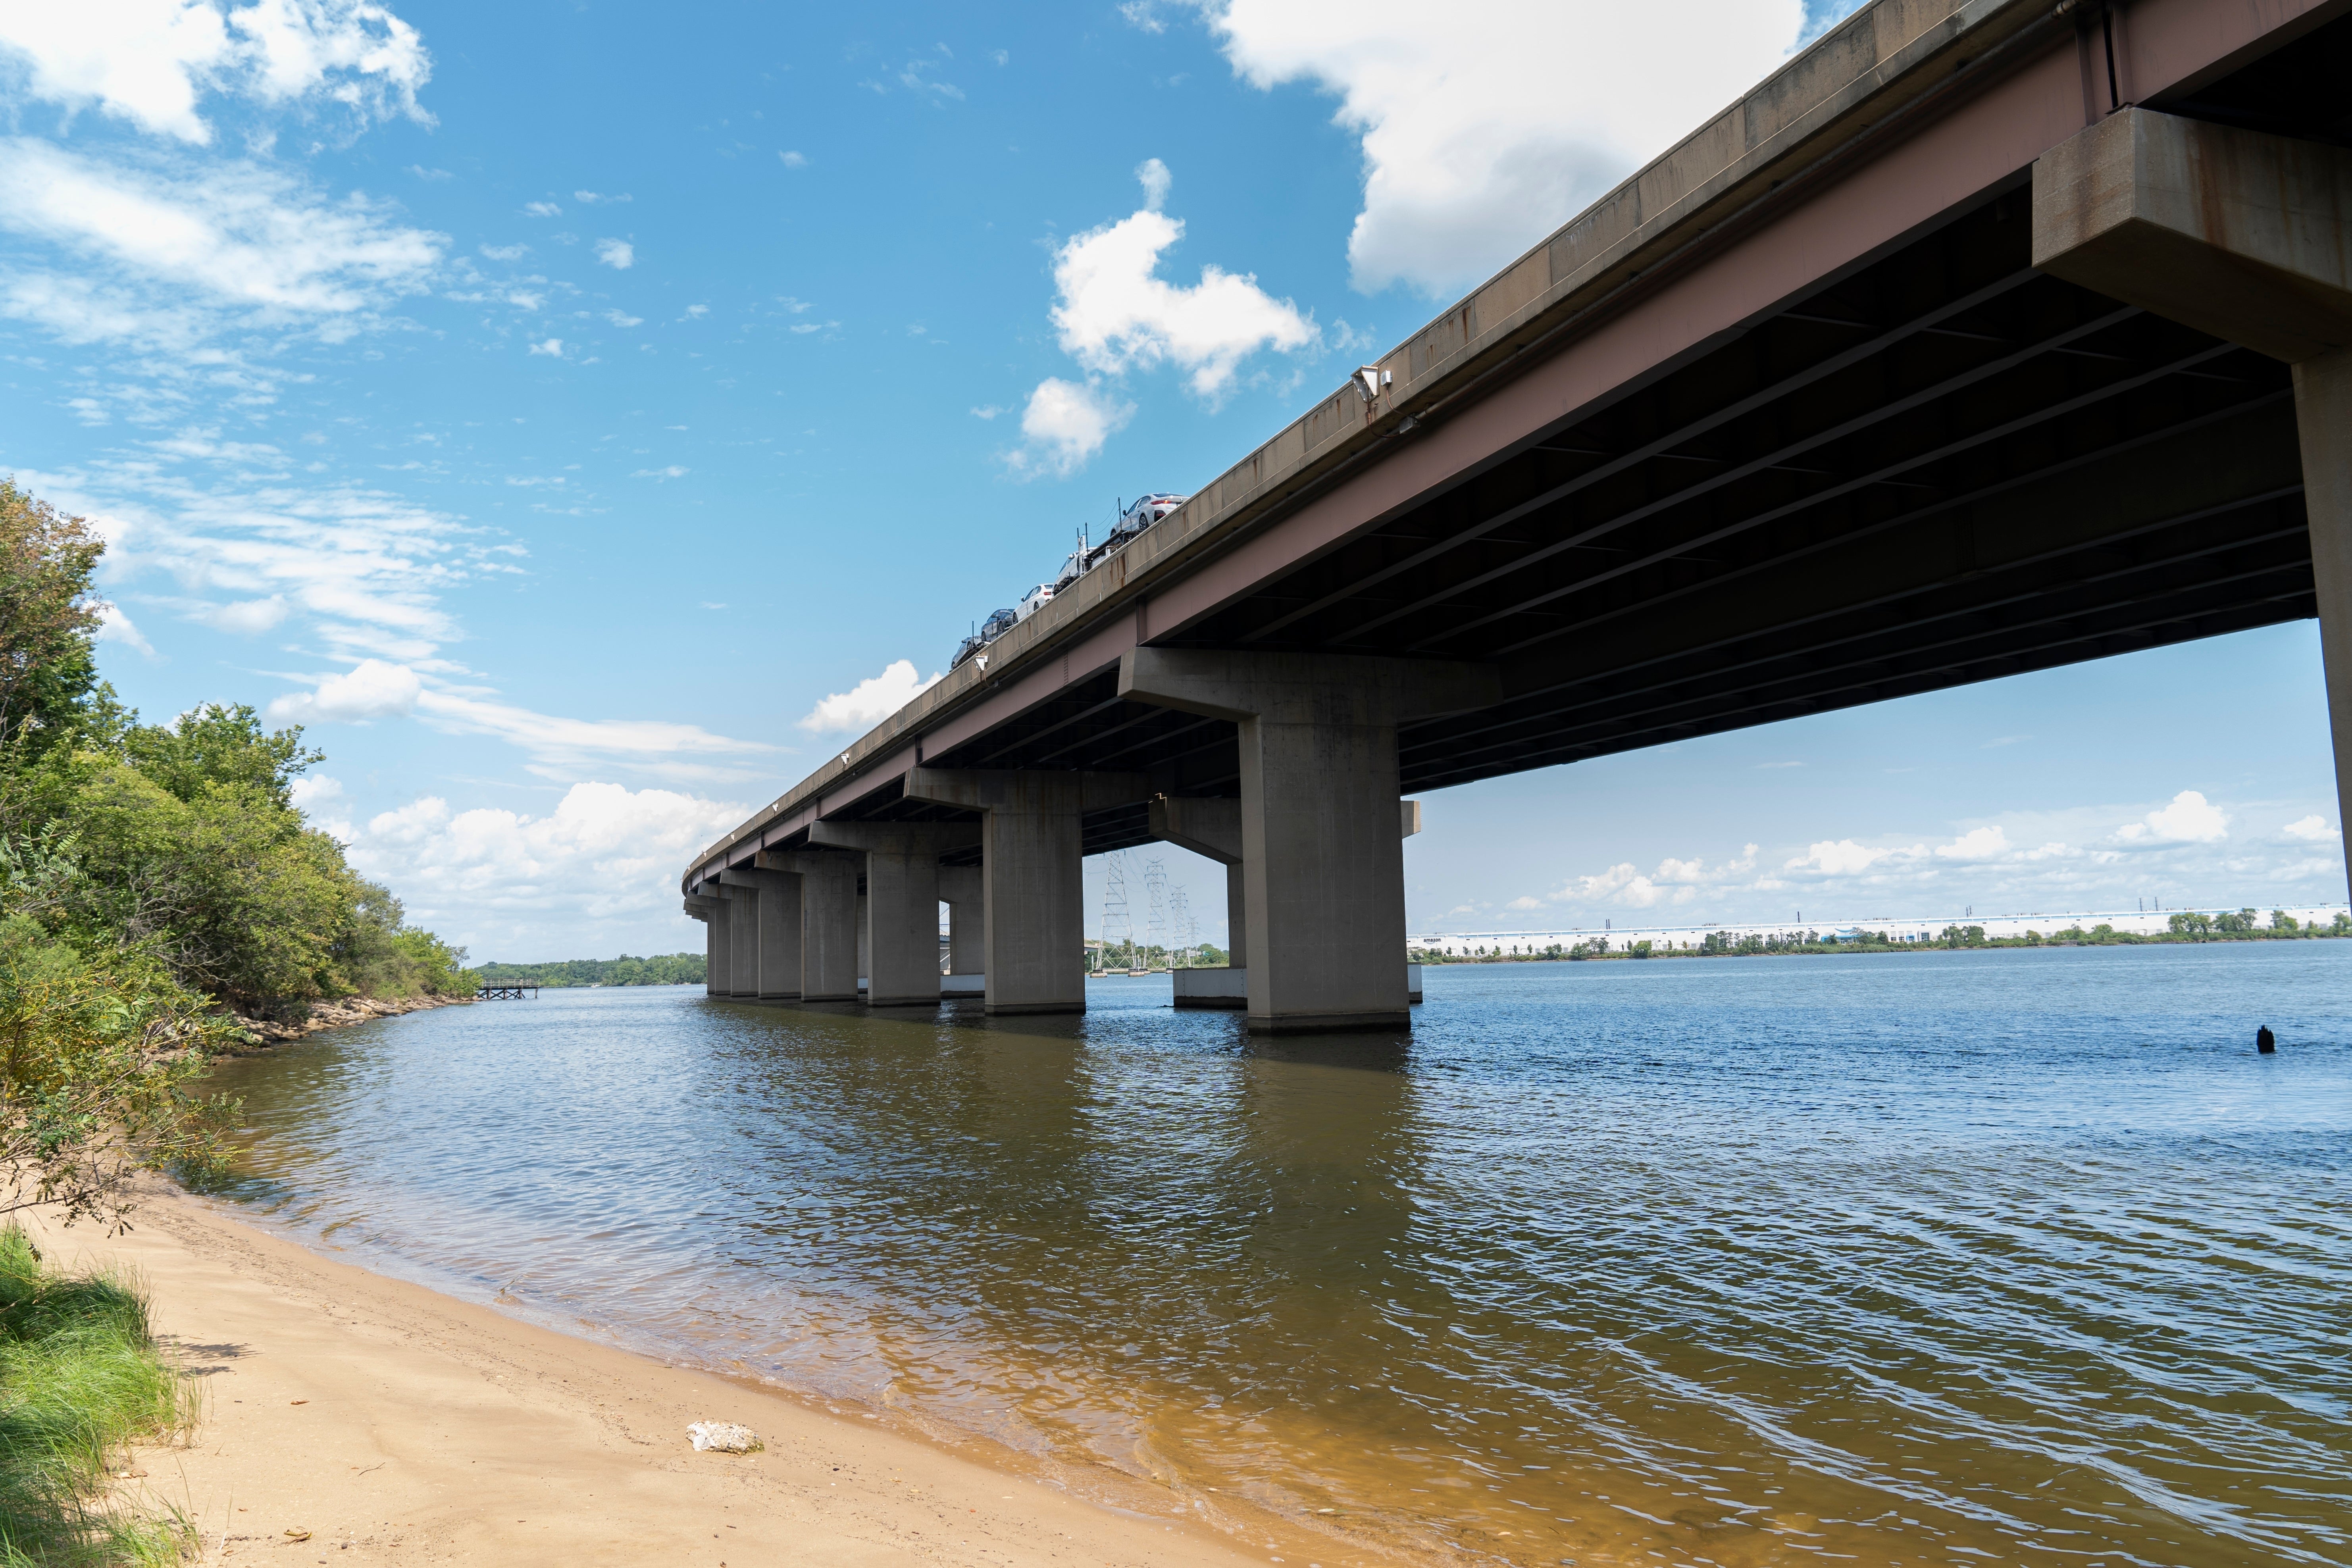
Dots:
{"x": 2312, "y": 830}
{"x": 541, "y": 209}
{"x": 1478, "y": 140}
{"x": 2190, "y": 818}
{"x": 552, "y": 348}
{"x": 606, "y": 854}
{"x": 617, "y": 254}
{"x": 1115, "y": 315}
{"x": 1977, "y": 844}
{"x": 373, "y": 689}
{"x": 1840, "y": 858}
{"x": 1065, "y": 423}
{"x": 793, "y": 159}
{"x": 869, "y": 702}
{"x": 150, "y": 61}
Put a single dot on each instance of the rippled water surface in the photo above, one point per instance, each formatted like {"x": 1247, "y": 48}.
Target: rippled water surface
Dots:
{"x": 2017, "y": 1256}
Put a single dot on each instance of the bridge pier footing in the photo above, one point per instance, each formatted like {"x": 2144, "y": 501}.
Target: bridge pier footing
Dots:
{"x": 1032, "y": 864}
{"x": 1323, "y": 871}
{"x": 2248, "y": 235}
{"x": 828, "y": 921}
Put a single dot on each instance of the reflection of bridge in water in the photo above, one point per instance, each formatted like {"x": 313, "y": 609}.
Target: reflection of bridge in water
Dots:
{"x": 1979, "y": 339}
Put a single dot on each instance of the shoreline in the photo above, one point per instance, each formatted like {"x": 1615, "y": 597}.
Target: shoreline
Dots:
{"x": 340, "y": 1015}
{"x": 393, "y": 1421}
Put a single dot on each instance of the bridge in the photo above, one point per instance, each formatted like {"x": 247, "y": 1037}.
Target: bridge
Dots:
{"x": 1982, "y": 338}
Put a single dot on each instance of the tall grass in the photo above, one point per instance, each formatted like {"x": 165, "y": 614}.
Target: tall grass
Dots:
{"x": 80, "y": 1377}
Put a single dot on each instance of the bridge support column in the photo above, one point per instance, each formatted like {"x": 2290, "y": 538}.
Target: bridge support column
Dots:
{"x": 961, "y": 889}
{"x": 828, "y": 921}
{"x": 902, "y": 903}
{"x": 776, "y": 931}
{"x": 698, "y": 908}
{"x": 1212, "y": 828}
{"x": 742, "y": 938}
{"x": 1323, "y": 872}
{"x": 2247, "y": 236}
{"x": 1033, "y": 874}
{"x": 719, "y": 944}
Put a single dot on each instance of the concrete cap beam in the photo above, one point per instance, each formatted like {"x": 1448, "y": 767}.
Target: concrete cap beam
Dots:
{"x": 2241, "y": 234}
{"x": 1002, "y": 789}
{"x": 1321, "y": 688}
{"x": 896, "y": 838}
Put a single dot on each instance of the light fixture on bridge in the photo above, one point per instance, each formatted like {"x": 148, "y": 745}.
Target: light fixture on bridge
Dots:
{"x": 1371, "y": 380}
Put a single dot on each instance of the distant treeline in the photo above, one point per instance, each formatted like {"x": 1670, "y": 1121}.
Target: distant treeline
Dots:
{"x": 662, "y": 969}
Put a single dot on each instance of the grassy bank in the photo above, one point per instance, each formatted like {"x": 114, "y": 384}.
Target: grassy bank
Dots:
{"x": 80, "y": 1378}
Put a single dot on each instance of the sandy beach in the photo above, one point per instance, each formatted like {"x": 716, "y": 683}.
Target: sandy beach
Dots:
{"x": 351, "y": 1417}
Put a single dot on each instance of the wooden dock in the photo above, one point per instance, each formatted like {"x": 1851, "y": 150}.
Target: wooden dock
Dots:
{"x": 507, "y": 993}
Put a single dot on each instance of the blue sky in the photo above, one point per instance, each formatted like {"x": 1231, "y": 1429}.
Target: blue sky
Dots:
{"x": 582, "y": 418}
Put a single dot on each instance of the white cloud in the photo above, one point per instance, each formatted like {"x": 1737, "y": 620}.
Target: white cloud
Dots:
{"x": 591, "y": 198}
{"x": 2312, "y": 830}
{"x": 1977, "y": 844}
{"x": 617, "y": 254}
{"x": 1065, "y": 424}
{"x": 1839, "y": 857}
{"x": 506, "y": 252}
{"x": 793, "y": 160}
{"x": 1113, "y": 314}
{"x": 559, "y": 747}
{"x": 244, "y": 546}
{"x": 115, "y": 626}
{"x": 2190, "y": 818}
{"x": 150, "y": 61}
{"x": 244, "y": 617}
{"x": 671, "y": 472}
{"x": 234, "y": 240}
{"x": 1481, "y": 138}
{"x": 371, "y": 689}
{"x": 868, "y": 702}
{"x": 552, "y": 348}
{"x": 605, "y": 853}
{"x": 541, "y": 209}
{"x": 621, "y": 318}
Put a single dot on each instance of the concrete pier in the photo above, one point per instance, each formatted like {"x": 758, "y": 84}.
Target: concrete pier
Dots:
{"x": 828, "y": 883}
{"x": 2247, "y": 236}
{"x": 776, "y": 934}
{"x": 699, "y": 908}
{"x": 961, "y": 889}
{"x": 902, "y": 899}
{"x": 1323, "y": 872}
{"x": 1031, "y": 874}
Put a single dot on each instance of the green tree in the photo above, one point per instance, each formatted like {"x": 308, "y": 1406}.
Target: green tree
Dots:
{"x": 48, "y": 612}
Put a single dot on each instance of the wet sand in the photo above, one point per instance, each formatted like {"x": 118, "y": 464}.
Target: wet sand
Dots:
{"x": 391, "y": 1423}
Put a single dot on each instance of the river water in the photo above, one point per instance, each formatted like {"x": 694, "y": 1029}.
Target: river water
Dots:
{"x": 1996, "y": 1256}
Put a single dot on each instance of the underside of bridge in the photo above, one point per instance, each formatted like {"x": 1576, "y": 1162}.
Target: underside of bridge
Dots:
{"x": 1939, "y": 467}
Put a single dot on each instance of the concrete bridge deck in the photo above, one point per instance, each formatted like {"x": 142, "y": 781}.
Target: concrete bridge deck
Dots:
{"x": 1861, "y": 391}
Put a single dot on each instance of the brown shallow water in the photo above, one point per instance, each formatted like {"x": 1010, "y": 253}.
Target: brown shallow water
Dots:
{"x": 1947, "y": 1257}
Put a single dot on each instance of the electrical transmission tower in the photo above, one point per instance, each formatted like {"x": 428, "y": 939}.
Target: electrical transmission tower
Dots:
{"x": 1179, "y": 920}
{"x": 1117, "y": 926}
{"x": 1155, "y": 887}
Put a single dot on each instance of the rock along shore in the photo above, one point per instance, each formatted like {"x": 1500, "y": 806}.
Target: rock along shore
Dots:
{"x": 350, "y": 1010}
